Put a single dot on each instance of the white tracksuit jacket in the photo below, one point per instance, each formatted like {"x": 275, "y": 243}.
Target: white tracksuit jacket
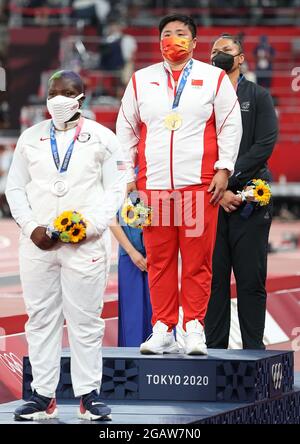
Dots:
{"x": 208, "y": 139}
{"x": 95, "y": 182}
{"x": 67, "y": 281}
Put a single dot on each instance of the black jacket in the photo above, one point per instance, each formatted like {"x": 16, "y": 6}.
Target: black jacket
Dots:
{"x": 260, "y": 130}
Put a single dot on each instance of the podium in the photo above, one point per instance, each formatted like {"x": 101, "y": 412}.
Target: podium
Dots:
{"x": 251, "y": 386}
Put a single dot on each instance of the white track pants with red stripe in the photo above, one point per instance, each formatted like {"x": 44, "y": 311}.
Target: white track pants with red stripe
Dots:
{"x": 65, "y": 282}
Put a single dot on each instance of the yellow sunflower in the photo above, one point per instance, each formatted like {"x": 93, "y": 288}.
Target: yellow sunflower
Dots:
{"x": 148, "y": 220}
{"x": 128, "y": 214}
{"x": 77, "y": 232}
{"x": 63, "y": 221}
{"x": 262, "y": 192}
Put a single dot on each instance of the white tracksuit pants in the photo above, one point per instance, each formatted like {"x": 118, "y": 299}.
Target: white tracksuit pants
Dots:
{"x": 66, "y": 282}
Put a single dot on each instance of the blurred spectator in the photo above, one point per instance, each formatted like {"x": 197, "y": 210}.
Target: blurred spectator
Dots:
{"x": 38, "y": 16}
{"x": 249, "y": 75}
{"x": 93, "y": 12}
{"x": 118, "y": 51}
{"x": 39, "y": 12}
{"x": 4, "y": 11}
{"x": 264, "y": 54}
{"x": 3, "y": 29}
{"x": 6, "y": 155}
{"x": 32, "y": 114}
{"x": 4, "y": 111}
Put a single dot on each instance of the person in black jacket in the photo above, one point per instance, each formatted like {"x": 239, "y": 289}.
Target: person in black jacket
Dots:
{"x": 242, "y": 236}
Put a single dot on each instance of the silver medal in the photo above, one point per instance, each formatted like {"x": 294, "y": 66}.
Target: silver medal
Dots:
{"x": 59, "y": 187}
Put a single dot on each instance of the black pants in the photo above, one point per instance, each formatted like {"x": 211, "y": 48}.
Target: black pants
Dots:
{"x": 241, "y": 245}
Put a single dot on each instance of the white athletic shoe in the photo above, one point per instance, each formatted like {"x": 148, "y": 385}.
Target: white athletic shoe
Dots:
{"x": 161, "y": 341}
{"x": 36, "y": 409}
{"x": 194, "y": 339}
{"x": 92, "y": 408}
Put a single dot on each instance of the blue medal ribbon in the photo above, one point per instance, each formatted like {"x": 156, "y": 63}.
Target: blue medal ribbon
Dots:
{"x": 185, "y": 74}
{"x": 63, "y": 168}
{"x": 239, "y": 81}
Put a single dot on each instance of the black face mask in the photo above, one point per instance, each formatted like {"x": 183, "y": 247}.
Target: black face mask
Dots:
{"x": 224, "y": 60}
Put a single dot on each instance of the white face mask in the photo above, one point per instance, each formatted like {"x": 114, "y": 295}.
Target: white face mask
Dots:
{"x": 62, "y": 108}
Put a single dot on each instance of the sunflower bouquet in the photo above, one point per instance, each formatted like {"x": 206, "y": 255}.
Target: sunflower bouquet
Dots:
{"x": 257, "y": 191}
{"x": 136, "y": 214}
{"x": 69, "y": 227}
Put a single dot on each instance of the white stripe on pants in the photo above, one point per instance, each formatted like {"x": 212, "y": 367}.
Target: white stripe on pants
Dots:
{"x": 68, "y": 281}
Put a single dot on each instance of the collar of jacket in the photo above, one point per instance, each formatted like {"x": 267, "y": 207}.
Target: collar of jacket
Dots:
{"x": 168, "y": 67}
{"x": 69, "y": 125}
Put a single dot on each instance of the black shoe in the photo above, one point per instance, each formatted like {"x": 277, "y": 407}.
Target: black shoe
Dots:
{"x": 37, "y": 408}
{"x": 93, "y": 408}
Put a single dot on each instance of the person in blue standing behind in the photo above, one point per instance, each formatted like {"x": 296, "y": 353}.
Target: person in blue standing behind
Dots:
{"x": 135, "y": 310}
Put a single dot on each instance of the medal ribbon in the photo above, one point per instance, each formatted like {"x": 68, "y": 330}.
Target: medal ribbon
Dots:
{"x": 185, "y": 74}
{"x": 69, "y": 152}
{"x": 239, "y": 81}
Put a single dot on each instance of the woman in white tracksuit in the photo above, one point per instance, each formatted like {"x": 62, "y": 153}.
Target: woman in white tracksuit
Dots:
{"x": 76, "y": 166}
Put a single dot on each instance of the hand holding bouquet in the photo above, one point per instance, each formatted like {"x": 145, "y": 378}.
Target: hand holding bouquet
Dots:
{"x": 68, "y": 227}
{"x": 135, "y": 214}
{"x": 257, "y": 191}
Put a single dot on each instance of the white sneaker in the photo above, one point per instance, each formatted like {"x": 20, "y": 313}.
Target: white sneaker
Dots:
{"x": 161, "y": 341}
{"x": 194, "y": 339}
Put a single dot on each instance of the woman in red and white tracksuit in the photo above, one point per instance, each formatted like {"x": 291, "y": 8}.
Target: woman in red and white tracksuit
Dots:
{"x": 180, "y": 122}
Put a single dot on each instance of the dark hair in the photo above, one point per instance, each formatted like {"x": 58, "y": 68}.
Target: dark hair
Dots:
{"x": 187, "y": 20}
{"x": 69, "y": 75}
{"x": 233, "y": 38}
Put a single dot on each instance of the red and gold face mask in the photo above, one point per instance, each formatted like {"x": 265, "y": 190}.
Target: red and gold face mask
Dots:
{"x": 175, "y": 48}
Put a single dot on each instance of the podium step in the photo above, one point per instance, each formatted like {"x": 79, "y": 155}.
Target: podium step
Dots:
{"x": 284, "y": 409}
{"x": 238, "y": 376}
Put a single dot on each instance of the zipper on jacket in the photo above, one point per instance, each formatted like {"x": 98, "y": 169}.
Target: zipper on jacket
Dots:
{"x": 171, "y": 145}
{"x": 171, "y": 160}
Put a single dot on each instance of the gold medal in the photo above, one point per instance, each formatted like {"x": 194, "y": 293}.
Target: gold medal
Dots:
{"x": 173, "y": 121}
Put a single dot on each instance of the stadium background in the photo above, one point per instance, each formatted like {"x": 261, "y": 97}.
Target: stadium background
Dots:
{"x": 39, "y": 37}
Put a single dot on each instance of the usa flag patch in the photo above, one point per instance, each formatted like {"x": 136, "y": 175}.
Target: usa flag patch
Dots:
{"x": 121, "y": 165}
